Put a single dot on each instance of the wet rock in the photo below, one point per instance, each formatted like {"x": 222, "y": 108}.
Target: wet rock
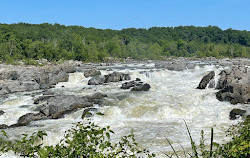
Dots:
{"x": 116, "y": 77}
{"x": 1, "y": 112}
{"x": 27, "y": 118}
{"x": 143, "y": 87}
{"x": 97, "y": 95}
{"x": 42, "y": 98}
{"x": 113, "y": 77}
{"x": 234, "y": 85}
{"x": 17, "y": 79}
{"x": 130, "y": 84}
{"x": 17, "y": 86}
{"x": 236, "y": 112}
{"x": 3, "y": 126}
{"x": 96, "y": 80}
{"x": 59, "y": 105}
{"x": 211, "y": 84}
{"x": 205, "y": 80}
{"x": 88, "y": 112}
{"x": 175, "y": 65}
{"x": 91, "y": 73}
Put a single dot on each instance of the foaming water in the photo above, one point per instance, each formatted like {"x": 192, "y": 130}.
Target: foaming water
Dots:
{"x": 153, "y": 115}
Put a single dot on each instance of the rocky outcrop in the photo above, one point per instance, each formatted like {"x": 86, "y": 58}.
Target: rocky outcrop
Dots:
{"x": 234, "y": 85}
{"x": 96, "y": 80}
{"x": 113, "y": 77}
{"x": 175, "y": 65}
{"x": 91, "y": 73}
{"x": 143, "y": 87}
{"x": 235, "y": 113}
{"x": 16, "y": 79}
{"x": 59, "y": 105}
{"x": 136, "y": 85}
{"x": 27, "y": 118}
{"x": 205, "y": 80}
{"x": 116, "y": 77}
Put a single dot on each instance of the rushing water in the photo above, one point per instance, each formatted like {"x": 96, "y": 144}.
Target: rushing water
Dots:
{"x": 153, "y": 115}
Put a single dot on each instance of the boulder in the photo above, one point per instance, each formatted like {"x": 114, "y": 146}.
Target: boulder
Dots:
{"x": 91, "y": 73}
{"x": 205, "y": 80}
{"x": 88, "y": 112}
{"x": 113, "y": 77}
{"x": 236, "y": 112}
{"x": 1, "y": 112}
{"x": 17, "y": 86}
{"x": 59, "y": 105}
{"x": 130, "y": 84}
{"x": 175, "y": 65}
{"x": 16, "y": 79}
{"x": 234, "y": 85}
{"x": 116, "y": 77}
{"x": 27, "y": 118}
{"x": 143, "y": 87}
{"x": 96, "y": 80}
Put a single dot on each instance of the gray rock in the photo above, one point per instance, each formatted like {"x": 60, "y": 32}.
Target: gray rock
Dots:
{"x": 130, "y": 84}
{"x": 234, "y": 85}
{"x": 96, "y": 80}
{"x": 91, "y": 73}
{"x": 1, "y": 112}
{"x": 16, "y": 79}
{"x": 88, "y": 112}
{"x": 116, "y": 77}
{"x": 59, "y": 105}
{"x": 27, "y": 118}
{"x": 236, "y": 112}
{"x": 205, "y": 80}
{"x": 17, "y": 86}
{"x": 175, "y": 65}
{"x": 143, "y": 87}
{"x": 97, "y": 95}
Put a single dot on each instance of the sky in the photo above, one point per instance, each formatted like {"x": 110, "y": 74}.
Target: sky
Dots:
{"x": 119, "y": 14}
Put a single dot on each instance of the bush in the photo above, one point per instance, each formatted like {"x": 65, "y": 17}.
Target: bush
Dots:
{"x": 82, "y": 141}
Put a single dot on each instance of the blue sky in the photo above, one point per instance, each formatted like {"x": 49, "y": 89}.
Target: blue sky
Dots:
{"x": 118, "y": 14}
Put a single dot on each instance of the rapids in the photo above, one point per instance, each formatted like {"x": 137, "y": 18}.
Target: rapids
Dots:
{"x": 153, "y": 115}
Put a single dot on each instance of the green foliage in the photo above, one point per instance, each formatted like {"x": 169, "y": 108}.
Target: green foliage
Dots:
{"x": 87, "y": 140}
{"x": 238, "y": 147}
{"x": 54, "y": 42}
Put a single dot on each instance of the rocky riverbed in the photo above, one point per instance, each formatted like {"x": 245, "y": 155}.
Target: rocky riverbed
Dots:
{"x": 152, "y": 97}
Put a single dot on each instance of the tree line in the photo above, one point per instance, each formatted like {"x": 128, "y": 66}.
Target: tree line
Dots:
{"x": 23, "y": 41}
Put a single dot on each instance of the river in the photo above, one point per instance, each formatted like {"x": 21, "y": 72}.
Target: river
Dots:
{"x": 153, "y": 115}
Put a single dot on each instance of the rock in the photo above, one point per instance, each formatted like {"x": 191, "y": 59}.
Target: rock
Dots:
{"x": 3, "y": 126}
{"x": 1, "y": 112}
{"x": 97, "y": 95}
{"x": 143, "y": 87}
{"x": 91, "y": 73}
{"x": 27, "y": 118}
{"x": 234, "y": 85}
{"x": 116, "y": 77}
{"x": 236, "y": 112}
{"x": 17, "y": 86}
{"x": 205, "y": 80}
{"x": 113, "y": 77}
{"x": 131, "y": 84}
{"x": 211, "y": 84}
{"x": 59, "y": 105}
{"x": 16, "y": 79}
{"x": 87, "y": 112}
{"x": 42, "y": 98}
{"x": 96, "y": 80}
{"x": 175, "y": 65}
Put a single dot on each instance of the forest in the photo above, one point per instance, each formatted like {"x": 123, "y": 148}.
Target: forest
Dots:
{"x": 23, "y": 41}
